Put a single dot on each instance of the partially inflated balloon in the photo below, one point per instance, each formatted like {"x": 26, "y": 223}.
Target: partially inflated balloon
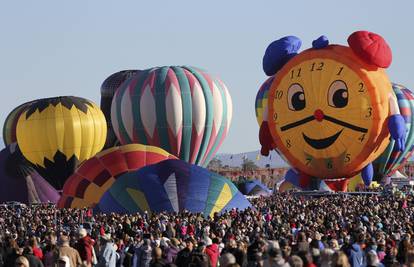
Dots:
{"x": 108, "y": 89}
{"x": 392, "y": 160}
{"x": 54, "y": 134}
{"x": 254, "y": 188}
{"x": 262, "y": 101}
{"x": 183, "y": 110}
{"x": 172, "y": 186}
{"x": 93, "y": 178}
{"x": 10, "y": 124}
{"x": 20, "y": 182}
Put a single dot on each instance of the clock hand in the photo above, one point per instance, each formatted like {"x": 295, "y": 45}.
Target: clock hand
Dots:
{"x": 297, "y": 123}
{"x": 345, "y": 124}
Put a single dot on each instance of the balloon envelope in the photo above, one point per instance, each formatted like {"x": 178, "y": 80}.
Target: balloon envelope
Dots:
{"x": 254, "y": 188}
{"x": 20, "y": 182}
{"x": 183, "y": 110}
{"x": 391, "y": 160}
{"x": 54, "y": 134}
{"x": 10, "y": 124}
{"x": 96, "y": 175}
{"x": 172, "y": 186}
{"x": 108, "y": 89}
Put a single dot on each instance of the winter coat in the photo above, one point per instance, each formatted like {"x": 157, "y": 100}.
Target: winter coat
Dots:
{"x": 356, "y": 256}
{"x": 107, "y": 256}
{"x": 183, "y": 258}
{"x": 172, "y": 254}
{"x": 84, "y": 247}
{"x": 213, "y": 253}
{"x": 142, "y": 256}
{"x": 71, "y": 253}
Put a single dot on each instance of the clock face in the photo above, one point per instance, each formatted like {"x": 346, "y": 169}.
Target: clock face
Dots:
{"x": 322, "y": 113}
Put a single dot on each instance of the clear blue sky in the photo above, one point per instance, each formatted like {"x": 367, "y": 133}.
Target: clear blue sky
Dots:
{"x": 52, "y": 48}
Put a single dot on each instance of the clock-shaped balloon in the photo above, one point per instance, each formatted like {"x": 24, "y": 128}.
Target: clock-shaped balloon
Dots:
{"x": 331, "y": 108}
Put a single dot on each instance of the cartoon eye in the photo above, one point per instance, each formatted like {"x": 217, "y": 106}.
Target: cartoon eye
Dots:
{"x": 296, "y": 97}
{"x": 338, "y": 94}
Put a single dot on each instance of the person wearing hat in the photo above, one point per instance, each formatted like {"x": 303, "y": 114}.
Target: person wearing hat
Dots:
{"x": 66, "y": 250}
{"x": 85, "y": 247}
{"x": 212, "y": 250}
{"x": 107, "y": 253}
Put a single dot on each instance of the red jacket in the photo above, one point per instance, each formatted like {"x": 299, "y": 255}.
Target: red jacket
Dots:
{"x": 84, "y": 247}
{"x": 38, "y": 253}
{"x": 213, "y": 253}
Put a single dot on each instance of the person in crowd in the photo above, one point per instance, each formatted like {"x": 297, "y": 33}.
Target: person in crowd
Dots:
{"x": 212, "y": 251}
{"x": 184, "y": 256}
{"x": 33, "y": 260}
{"x": 21, "y": 261}
{"x": 172, "y": 250}
{"x": 107, "y": 253}
{"x": 85, "y": 247}
{"x": 157, "y": 260}
{"x": 66, "y": 250}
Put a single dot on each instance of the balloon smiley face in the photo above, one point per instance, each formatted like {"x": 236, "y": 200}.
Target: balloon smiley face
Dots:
{"x": 326, "y": 111}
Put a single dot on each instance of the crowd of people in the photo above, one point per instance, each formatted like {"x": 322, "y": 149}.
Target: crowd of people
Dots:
{"x": 281, "y": 230}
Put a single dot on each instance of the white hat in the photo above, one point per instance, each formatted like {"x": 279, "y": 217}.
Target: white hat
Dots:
{"x": 82, "y": 232}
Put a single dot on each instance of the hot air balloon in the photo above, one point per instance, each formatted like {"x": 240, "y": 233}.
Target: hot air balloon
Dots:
{"x": 391, "y": 159}
{"x": 262, "y": 101}
{"x": 94, "y": 176}
{"x": 331, "y": 108}
{"x": 10, "y": 124}
{"x": 20, "y": 182}
{"x": 172, "y": 186}
{"x": 183, "y": 110}
{"x": 254, "y": 188}
{"x": 54, "y": 134}
{"x": 108, "y": 89}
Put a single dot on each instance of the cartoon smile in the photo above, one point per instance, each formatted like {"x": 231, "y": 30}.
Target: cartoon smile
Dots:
{"x": 321, "y": 143}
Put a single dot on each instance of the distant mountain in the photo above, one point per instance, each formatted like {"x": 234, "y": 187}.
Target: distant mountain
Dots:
{"x": 236, "y": 160}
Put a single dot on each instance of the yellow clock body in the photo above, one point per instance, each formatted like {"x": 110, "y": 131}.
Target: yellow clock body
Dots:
{"x": 328, "y": 112}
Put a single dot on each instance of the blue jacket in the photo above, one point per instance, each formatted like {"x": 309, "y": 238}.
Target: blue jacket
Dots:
{"x": 356, "y": 256}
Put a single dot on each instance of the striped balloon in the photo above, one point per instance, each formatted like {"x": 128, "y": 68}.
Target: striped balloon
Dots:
{"x": 183, "y": 110}
{"x": 260, "y": 104}
{"x": 390, "y": 160}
